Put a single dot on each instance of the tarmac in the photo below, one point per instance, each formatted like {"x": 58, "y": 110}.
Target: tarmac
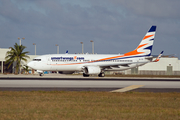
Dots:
{"x": 29, "y": 82}
{"x": 54, "y": 75}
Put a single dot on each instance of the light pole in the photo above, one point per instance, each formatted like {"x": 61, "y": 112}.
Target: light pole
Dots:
{"x": 20, "y": 45}
{"x": 82, "y": 48}
{"x": 20, "y": 40}
{"x": 92, "y": 46}
{"x": 57, "y": 48}
{"x": 35, "y": 48}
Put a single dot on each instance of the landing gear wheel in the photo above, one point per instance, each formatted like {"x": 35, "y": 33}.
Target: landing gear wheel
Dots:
{"x": 85, "y": 75}
{"x": 101, "y": 74}
{"x": 41, "y": 74}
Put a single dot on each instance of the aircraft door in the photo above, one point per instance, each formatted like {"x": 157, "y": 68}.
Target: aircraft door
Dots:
{"x": 48, "y": 61}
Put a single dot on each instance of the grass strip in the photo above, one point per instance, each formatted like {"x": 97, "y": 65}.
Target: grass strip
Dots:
{"x": 64, "y": 105}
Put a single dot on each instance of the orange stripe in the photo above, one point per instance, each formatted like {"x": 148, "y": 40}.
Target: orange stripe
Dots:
{"x": 147, "y": 36}
{"x": 141, "y": 45}
{"x": 112, "y": 57}
{"x": 134, "y": 52}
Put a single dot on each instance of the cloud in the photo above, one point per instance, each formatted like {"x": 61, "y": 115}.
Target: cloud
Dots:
{"x": 114, "y": 26}
{"x": 152, "y": 8}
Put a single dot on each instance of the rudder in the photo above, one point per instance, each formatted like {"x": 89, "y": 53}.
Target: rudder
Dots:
{"x": 145, "y": 46}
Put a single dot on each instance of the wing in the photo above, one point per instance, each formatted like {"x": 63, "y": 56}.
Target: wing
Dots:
{"x": 115, "y": 65}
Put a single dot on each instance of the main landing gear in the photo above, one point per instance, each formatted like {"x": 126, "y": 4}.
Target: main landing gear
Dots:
{"x": 85, "y": 75}
{"x": 100, "y": 75}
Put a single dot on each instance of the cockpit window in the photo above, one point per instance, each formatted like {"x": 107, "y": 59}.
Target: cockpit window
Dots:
{"x": 36, "y": 59}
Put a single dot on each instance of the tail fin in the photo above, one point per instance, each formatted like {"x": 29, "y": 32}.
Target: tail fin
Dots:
{"x": 145, "y": 46}
{"x": 158, "y": 58}
{"x": 67, "y": 52}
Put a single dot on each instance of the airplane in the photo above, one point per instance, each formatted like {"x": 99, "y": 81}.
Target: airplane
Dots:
{"x": 90, "y": 64}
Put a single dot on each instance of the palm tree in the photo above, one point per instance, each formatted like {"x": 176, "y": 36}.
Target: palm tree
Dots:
{"x": 26, "y": 69}
{"x": 16, "y": 55}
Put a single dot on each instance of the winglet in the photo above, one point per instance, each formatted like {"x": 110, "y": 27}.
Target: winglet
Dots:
{"x": 158, "y": 58}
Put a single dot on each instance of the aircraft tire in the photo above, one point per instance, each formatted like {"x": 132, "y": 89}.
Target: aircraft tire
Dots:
{"x": 85, "y": 75}
{"x": 40, "y": 74}
{"x": 101, "y": 74}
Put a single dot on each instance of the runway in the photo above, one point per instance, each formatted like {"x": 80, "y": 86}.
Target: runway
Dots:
{"x": 87, "y": 84}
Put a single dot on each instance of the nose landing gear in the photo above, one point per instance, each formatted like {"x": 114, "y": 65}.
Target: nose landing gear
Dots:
{"x": 41, "y": 74}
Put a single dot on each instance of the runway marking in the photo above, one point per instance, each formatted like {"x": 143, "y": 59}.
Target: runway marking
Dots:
{"x": 132, "y": 87}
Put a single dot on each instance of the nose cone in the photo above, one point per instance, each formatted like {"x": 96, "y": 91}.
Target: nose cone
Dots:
{"x": 30, "y": 64}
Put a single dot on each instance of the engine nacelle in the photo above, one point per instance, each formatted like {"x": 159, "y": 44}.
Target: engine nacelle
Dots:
{"x": 91, "y": 70}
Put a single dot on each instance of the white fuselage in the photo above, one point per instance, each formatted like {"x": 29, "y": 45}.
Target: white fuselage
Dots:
{"x": 75, "y": 62}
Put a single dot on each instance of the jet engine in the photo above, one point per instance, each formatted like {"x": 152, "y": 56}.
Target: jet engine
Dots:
{"x": 91, "y": 70}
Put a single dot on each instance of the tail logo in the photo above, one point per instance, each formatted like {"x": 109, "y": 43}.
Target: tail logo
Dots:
{"x": 145, "y": 46}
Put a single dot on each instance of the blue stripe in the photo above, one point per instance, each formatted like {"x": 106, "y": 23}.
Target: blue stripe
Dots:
{"x": 120, "y": 58}
{"x": 152, "y": 29}
{"x": 129, "y": 57}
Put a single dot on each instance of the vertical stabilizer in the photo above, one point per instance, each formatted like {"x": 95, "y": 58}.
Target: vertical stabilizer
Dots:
{"x": 145, "y": 46}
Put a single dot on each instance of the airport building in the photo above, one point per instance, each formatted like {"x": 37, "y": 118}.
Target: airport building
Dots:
{"x": 3, "y": 67}
{"x": 168, "y": 65}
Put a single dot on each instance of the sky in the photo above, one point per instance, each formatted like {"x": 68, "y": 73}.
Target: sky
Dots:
{"x": 115, "y": 26}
